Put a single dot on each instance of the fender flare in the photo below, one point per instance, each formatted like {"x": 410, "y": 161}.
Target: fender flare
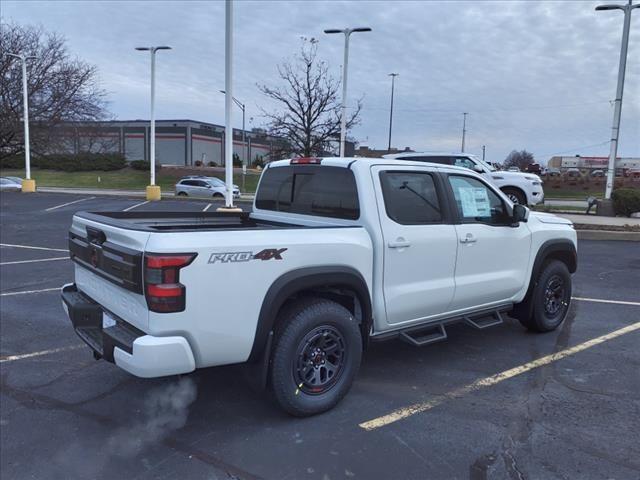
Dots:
{"x": 550, "y": 247}
{"x": 296, "y": 281}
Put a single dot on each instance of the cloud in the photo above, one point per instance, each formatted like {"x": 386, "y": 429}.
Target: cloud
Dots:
{"x": 534, "y": 75}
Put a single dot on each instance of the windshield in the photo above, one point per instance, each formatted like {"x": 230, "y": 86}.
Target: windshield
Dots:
{"x": 484, "y": 164}
{"x": 216, "y": 182}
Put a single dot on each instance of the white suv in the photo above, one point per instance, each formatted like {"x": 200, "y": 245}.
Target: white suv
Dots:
{"x": 522, "y": 188}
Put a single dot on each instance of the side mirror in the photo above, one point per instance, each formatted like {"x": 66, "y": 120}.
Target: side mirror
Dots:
{"x": 209, "y": 186}
{"x": 478, "y": 168}
{"x": 520, "y": 214}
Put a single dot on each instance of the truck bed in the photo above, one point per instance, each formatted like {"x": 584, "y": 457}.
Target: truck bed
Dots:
{"x": 183, "y": 221}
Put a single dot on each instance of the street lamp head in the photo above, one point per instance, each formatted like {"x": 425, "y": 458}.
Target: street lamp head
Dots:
{"x": 394, "y": 74}
{"x": 609, "y": 7}
{"x": 163, "y": 47}
{"x": 361, "y": 29}
{"x": 333, "y": 30}
{"x": 143, "y": 49}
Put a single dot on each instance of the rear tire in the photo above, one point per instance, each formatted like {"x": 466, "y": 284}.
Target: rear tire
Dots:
{"x": 516, "y": 196}
{"x": 218, "y": 196}
{"x": 316, "y": 356}
{"x": 551, "y": 298}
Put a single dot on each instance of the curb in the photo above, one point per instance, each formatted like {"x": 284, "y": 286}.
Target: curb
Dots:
{"x": 608, "y": 235}
{"x": 125, "y": 193}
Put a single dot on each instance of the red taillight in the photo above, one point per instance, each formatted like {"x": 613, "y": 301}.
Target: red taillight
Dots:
{"x": 163, "y": 289}
{"x": 306, "y": 161}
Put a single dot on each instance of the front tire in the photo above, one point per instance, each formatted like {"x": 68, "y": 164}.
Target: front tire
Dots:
{"x": 182, "y": 194}
{"x": 316, "y": 357}
{"x": 551, "y": 298}
{"x": 516, "y": 196}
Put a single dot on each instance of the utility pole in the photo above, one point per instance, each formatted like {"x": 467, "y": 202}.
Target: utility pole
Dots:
{"x": 464, "y": 128}
{"x": 343, "y": 118}
{"x": 153, "y": 190}
{"x": 28, "y": 185}
{"x": 483, "y": 153}
{"x": 393, "y": 78}
{"x": 615, "y": 130}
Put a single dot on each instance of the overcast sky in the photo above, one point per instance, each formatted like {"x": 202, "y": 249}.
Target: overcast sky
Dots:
{"x": 532, "y": 75}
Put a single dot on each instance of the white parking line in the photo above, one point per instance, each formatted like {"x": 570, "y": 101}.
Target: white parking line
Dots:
{"x": 13, "y": 358}
{"x": 8, "y": 294}
{"x": 68, "y": 203}
{"x": 207, "y": 207}
{"x": 599, "y": 300}
{"x": 134, "y": 206}
{"x": 34, "y": 261}
{"x": 406, "y": 412}
{"x": 33, "y": 248}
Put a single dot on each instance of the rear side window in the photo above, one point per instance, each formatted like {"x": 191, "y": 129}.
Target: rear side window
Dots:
{"x": 310, "y": 190}
{"x": 410, "y": 198}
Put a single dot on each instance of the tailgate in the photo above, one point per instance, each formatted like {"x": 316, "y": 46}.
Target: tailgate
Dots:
{"x": 108, "y": 268}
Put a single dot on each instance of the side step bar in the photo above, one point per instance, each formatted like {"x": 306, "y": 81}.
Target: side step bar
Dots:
{"x": 424, "y": 335}
{"x": 421, "y": 335}
{"x": 485, "y": 322}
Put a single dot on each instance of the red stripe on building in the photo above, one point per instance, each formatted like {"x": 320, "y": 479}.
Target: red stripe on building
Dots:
{"x": 134, "y": 135}
{"x": 206, "y": 139}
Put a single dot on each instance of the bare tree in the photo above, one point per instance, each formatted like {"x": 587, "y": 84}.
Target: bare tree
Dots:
{"x": 308, "y": 116}
{"x": 520, "y": 159}
{"x": 61, "y": 89}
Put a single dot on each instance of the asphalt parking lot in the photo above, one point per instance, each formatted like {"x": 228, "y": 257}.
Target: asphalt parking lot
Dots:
{"x": 63, "y": 415}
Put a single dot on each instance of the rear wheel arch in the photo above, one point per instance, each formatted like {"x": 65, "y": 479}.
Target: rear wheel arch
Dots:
{"x": 341, "y": 284}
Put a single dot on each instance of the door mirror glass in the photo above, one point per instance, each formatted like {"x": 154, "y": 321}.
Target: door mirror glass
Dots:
{"x": 520, "y": 213}
{"x": 478, "y": 168}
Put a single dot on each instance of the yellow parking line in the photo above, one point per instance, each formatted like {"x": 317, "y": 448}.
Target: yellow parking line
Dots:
{"x": 600, "y": 300}
{"x": 31, "y": 247}
{"x": 406, "y": 412}
{"x": 25, "y": 292}
{"x": 34, "y": 261}
{"x": 12, "y": 358}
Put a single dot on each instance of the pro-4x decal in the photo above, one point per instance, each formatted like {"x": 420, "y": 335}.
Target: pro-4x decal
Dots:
{"x": 266, "y": 254}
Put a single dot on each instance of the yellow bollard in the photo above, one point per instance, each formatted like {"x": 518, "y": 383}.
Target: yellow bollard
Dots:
{"x": 28, "y": 185}
{"x": 153, "y": 193}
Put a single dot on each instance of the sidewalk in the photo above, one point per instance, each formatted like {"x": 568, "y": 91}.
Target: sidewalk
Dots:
{"x": 600, "y": 221}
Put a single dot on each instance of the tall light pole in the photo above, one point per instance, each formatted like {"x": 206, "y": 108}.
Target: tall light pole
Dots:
{"x": 464, "y": 128}
{"x": 393, "y": 80}
{"x": 244, "y": 143}
{"x": 343, "y": 118}
{"x": 615, "y": 130}
{"x": 153, "y": 190}
{"x": 228, "y": 106}
{"x": 483, "y": 150}
{"x": 28, "y": 185}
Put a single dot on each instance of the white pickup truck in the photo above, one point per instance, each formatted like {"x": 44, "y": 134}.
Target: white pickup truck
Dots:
{"x": 337, "y": 252}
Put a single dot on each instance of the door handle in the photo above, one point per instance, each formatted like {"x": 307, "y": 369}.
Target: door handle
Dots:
{"x": 469, "y": 238}
{"x": 399, "y": 243}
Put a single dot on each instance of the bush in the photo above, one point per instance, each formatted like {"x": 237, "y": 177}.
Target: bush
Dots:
{"x": 626, "y": 201}
{"x": 212, "y": 164}
{"x": 14, "y": 161}
{"x": 141, "y": 165}
{"x": 259, "y": 161}
{"x": 198, "y": 163}
{"x": 236, "y": 160}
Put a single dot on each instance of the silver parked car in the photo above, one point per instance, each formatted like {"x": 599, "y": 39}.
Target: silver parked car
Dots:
{"x": 204, "y": 187}
{"x": 9, "y": 184}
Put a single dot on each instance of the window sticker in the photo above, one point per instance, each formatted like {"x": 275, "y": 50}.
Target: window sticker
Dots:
{"x": 475, "y": 202}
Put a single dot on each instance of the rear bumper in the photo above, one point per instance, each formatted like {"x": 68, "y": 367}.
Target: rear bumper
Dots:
{"x": 129, "y": 348}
